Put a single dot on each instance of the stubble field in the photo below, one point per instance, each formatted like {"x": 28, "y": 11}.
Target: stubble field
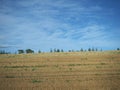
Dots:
{"x": 61, "y": 71}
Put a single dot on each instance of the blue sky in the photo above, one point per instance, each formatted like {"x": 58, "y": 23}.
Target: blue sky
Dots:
{"x": 63, "y": 24}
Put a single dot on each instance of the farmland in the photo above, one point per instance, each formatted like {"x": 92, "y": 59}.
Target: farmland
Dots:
{"x": 60, "y": 71}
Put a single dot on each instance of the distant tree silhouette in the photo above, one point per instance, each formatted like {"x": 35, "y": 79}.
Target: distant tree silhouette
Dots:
{"x": 55, "y": 50}
{"x": 39, "y": 51}
{"x": 62, "y": 50}
{"x": 118, "y": 48}
{"x": 51, "y": 50}
{"x": 89, "y": 49}
{"x": 20, "y": 51}
{"x": 29, "y": 51}
{"x": 58, "y": 50}
{"x": 96, "y": 49}
{"x": 4, "y": 52}
{"x": 81, "y": 49}
{"x": 93, "y": 49}
{"x": 73, "y": 50}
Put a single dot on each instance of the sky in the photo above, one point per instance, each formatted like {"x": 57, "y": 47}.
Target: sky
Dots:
{"x": 64, "y": 24}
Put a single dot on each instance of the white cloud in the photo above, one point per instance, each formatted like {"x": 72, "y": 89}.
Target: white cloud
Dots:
{"x": 93, "y": 32}
{"x": 51, "y": 23}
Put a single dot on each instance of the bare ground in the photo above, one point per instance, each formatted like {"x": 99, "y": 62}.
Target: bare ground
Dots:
{"x": 61, "y": 71}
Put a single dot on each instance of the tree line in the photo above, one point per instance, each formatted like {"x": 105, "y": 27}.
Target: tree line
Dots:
{"x": 25, "y": 51}
{"x": 4, "y": 52}
{"x": 61, "y": 50}
{"x": 21, "y": 51}
{"x": 56, "y": 50}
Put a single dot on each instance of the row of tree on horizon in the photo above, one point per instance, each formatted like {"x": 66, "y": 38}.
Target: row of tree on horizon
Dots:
{"x": 21, "y": 51}
{"x": 57, "y": 50}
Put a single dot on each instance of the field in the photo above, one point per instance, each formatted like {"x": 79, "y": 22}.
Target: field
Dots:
{"x": 61, "y": 71}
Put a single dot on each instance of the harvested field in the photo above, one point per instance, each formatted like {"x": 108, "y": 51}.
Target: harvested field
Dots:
{"x": 61, "y": 71}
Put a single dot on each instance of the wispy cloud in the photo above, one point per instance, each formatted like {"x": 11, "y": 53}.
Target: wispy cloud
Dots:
{"x": 4, "y": 46}
{"x": 51, "y": 23}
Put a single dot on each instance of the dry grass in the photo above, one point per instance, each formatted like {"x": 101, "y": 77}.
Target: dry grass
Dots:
{"x": 61, "y": 71}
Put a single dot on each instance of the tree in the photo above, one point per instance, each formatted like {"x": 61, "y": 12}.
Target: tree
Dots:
{"x": 39, "y": 51}
{"x": 51, "y": 50}
{"x": 62, "y": 50}
{"x": 4, "y": 52}
{"x": 20, "y": 51}
{"x": 58, "y": 50}
{"x": 93, "y": 49}
{"x": 29, "y": 51}
{"x": 89, "y": 49}
{"x": 96, "y": 49}
{"x": 73, "y": 50}
{"x": 55, "y": 50}
{"x": 81, "y": 49}
{"x": 118, "y": 48}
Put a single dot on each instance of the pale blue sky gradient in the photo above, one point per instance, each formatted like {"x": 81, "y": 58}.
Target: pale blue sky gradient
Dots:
{"x": 63, "y": 24}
